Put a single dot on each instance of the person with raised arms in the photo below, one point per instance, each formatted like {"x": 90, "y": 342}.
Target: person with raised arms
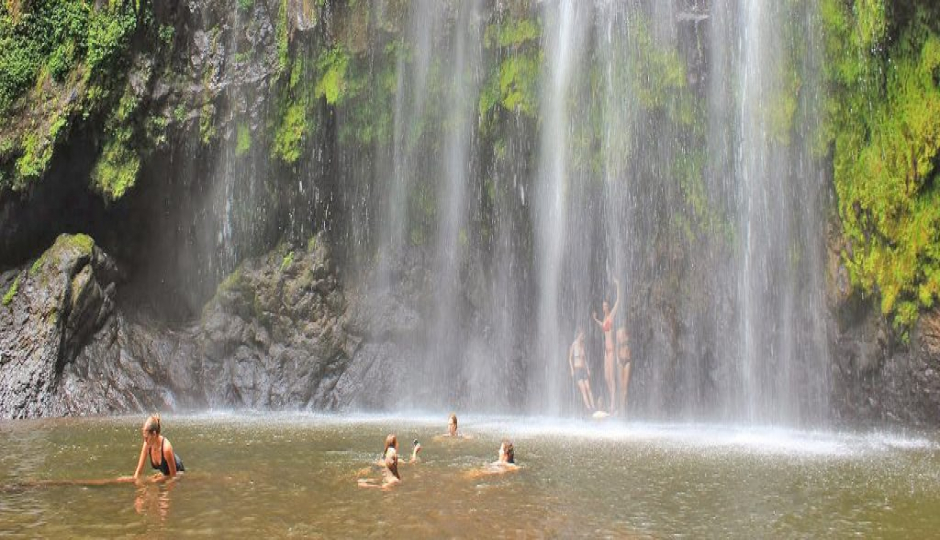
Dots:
{"x": 607, "y": 326}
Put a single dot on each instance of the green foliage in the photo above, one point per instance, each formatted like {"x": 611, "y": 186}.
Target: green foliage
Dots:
{"x": 167, "y": 35}
{"x": 63, "y": 56}
{"x": 246, "y": 5}
{"x": 179, "y": 113}
{"x": 884, "y": 125}
{"x": 38, "y": 34}
{"x": 116, "y": 170}
{"x": 11, "y": 292}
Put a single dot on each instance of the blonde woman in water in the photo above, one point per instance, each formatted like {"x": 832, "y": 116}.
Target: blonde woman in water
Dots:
{"x": 160, "y": 451}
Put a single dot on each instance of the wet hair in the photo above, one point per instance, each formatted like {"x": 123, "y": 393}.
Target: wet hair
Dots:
{"x": 152, "y": 424}
{"x": 390, "y": 442}
{"x": 452, "y": 419}
{"x": 509, "y": 451}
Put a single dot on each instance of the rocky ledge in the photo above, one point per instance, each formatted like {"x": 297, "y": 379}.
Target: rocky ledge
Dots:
{"x": 279, "y": 334}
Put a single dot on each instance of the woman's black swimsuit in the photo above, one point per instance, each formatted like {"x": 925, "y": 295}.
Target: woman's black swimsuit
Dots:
{"x": 164, "y": 467}
{"x": 580, "y": 373}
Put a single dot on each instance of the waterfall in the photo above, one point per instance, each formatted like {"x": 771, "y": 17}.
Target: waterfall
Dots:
{"x": 537, "y": 152}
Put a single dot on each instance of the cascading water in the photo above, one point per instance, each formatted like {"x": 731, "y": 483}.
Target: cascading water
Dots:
{"x": 537, "y": 152}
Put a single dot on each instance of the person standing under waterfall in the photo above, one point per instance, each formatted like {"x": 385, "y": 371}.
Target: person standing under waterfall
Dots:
{"x": 580, "y": 371}
{"x": 623, "y": 366}
{"x": 607, "y": 326}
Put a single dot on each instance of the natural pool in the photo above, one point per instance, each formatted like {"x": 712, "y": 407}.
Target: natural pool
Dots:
{"x": 277, "y": 475}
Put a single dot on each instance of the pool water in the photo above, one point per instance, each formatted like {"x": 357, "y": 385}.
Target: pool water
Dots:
{"x": 283, "y": 475}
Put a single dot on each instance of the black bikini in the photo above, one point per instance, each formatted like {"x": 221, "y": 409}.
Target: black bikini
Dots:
{"x": 164, "y": 467}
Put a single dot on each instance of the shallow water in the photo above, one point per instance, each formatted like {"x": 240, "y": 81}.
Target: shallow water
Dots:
{"x": 295, "y": 475}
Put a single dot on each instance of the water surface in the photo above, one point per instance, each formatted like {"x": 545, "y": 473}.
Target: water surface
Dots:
{"x": 295, "y": 475}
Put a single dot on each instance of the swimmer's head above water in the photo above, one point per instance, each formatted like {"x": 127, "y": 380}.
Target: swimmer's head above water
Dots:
{"x": 507, "y": 453}
{"x": 151, "y": 427}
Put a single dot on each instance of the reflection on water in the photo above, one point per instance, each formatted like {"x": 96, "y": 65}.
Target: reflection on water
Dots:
{"x": 296, "y": 475}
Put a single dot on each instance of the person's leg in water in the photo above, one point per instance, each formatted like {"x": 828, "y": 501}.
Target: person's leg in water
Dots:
{"x": 586, "y": 394}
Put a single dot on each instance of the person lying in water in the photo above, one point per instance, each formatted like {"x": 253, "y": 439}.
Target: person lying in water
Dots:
{"x": 160, "y": 451}
{"x": 505, "y": 462}
{"x": 389, "y": 464}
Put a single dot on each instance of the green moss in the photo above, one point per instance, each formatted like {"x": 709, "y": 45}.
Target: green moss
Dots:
{"x": 232, "y": 281}
{"x": 518, "y": 83}
{"x": 207, "y": 130}
{"x": 37, "y": 264}
{"x": 11, "y": 292}
{"x": 283, "y": 38}
{"x": 66, "y": 56}
{"x": 167, "y": 35}
{"x": 287, "y": 261}
{"x": 243, "y": 140}
{"x": 116, "y": 169}
{"x": 288, "y": 140}
{"x": 883, "y": 68}
{"x": 37, "y": 152}
{"x": 331, "y": 83}
{"x": 246, "y": 5}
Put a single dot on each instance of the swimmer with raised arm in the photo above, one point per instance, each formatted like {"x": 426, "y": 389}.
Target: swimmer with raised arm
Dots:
{"x": 389, "y": 464}
{"x": 607, "y": 326}
{"x": 160, "y": 451}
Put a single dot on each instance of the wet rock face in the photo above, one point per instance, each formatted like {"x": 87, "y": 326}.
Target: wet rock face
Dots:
{"x": 50, "y": 310}
{"x": 876, "y": 377}
{"x": 279, "y": 334}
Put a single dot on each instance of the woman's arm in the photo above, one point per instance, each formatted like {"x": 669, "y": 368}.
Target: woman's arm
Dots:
{"x": 598, "y": 321}
{"x": 617, "y": 301}
{"x": 170, "y": 457}
{"x": 140, "y": 462}
{"x": 570, "y": 363}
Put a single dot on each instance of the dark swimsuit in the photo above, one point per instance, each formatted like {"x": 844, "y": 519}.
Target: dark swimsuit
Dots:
{"x": 624, "y": 359}
{"x": 164, "y": 467}
{"x": 580, "y": 372}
